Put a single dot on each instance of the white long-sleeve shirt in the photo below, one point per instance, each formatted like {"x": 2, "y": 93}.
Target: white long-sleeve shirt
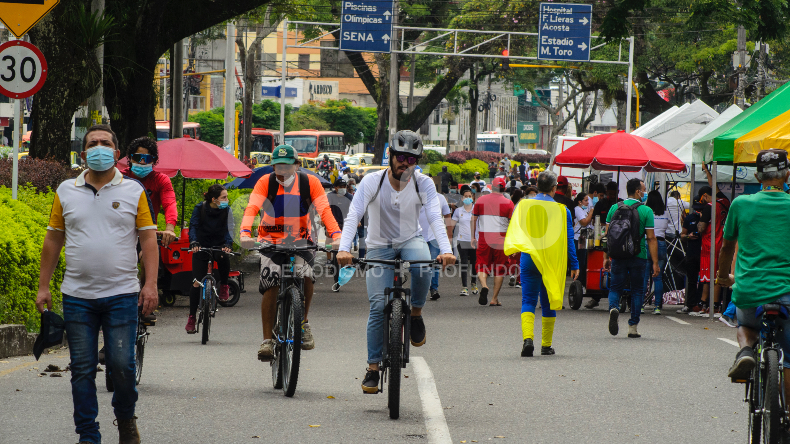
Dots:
{"x": 393, "y": 216}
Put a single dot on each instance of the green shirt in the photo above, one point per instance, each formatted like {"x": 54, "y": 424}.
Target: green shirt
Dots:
{"x": 645, "y": 221}
{"x": 762, "y": 269}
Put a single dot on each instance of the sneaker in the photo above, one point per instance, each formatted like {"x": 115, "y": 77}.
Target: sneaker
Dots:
{"x": 642, "y": 310}
{"x": 657, "y": 311}
{"x": 417, "y": 331}
{"x": 632, "y": 333}
{"x": 464, "y": 292}
{"x": 127, "y": 431}
{"x": 266, "y": 352}
{"x": 744, "y": 363}
{"x": 190, "y": 328}
{"x": 435, "y": 295}
{"x": 613, "y": 327}
{"x": 695, "y": 310}
{"x": 512, "y": 281}
{"x": 684, "y": 310}
{"x": 547, "y": 351}
{"x": 370, "y": 385}
{"x": 474, "y": 289}
{"x": 308, "y": 343}
{"x": 728, "y": 321}
{"x": 224, "y": 293}
{"x": 527, "y": 349}
{"x": 483, "y": 299}
{"x": 518, "y": 285}
{"x": 591, "y": 304}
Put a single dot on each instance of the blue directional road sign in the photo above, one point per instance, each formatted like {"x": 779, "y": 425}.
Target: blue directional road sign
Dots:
{"x": 366, "y": 25}
{"x": 564, "y": 32}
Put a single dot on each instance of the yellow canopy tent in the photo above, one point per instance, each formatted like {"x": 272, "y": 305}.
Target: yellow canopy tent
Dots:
{"x": 773, "y": 134}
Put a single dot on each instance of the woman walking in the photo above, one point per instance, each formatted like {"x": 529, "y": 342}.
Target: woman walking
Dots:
{"x": 661, "y": 221}
{"x": 462, "y": 217}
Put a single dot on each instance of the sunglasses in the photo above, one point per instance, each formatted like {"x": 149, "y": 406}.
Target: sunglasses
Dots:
{"x": 404, "y": 158}
{"x": 144, "y": 159}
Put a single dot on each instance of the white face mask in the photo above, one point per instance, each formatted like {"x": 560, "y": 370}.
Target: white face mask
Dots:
{"x": 287, "y": 182}
{"x": 341, "y": 191}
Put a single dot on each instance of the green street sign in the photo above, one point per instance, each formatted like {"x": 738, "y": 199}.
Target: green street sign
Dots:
{"x": 528, "y": 132}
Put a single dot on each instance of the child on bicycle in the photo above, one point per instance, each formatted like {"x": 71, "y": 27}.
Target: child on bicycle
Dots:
{"x": 210, "y": 226}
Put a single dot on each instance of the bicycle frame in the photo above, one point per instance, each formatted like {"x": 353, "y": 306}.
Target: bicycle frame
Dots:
{"x": 398, "y": 292}
{"x": 768, "y": 342}
{"x": 286, "y": 281}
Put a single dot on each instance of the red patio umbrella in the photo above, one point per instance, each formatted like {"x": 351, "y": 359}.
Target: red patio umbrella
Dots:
{"x": 195, "y": 159}
{"x": 622, "y": 152}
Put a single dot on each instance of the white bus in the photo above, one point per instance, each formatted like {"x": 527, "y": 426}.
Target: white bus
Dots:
{"x": 497, "y": 142}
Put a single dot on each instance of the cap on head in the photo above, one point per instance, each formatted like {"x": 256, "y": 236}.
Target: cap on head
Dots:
{"x": 340, "y": 182}
{"x": 771, "y": 160}
{"x": 562, "y": 181}
{"x": 499, "y": 183}
{"x": 284, "y": 154}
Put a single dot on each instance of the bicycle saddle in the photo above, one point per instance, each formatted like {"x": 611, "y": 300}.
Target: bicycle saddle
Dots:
{"x": 773, "y": 311}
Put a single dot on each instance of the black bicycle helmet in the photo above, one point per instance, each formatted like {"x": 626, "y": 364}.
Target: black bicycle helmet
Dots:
{"x": 407, "y": 142}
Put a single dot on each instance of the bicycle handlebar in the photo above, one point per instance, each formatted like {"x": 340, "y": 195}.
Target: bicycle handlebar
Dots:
{"x": 394, "y": 262}
{"x": 217, "y": 249}
{"x": 278, "y": 247}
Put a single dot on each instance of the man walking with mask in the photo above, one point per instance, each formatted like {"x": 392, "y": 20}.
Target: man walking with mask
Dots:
{"x": 101, "y": 210}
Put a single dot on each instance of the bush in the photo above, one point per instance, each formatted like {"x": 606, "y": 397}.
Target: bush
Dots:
{"x": 454, "y": 170}
{"x": 459, "y": 157}
{"x": 21, "y": 237}
{"x": 212, "y": 127}
{"x": 431, "y": 156}
{"x": 40, "y": 174}
{"x": 532, "y": 159}
{"x": 469, "y": 168}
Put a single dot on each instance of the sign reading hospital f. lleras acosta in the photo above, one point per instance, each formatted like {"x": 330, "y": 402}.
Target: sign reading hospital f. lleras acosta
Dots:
{"x": 366, "y": 25}
{"x": 564, "y": 32}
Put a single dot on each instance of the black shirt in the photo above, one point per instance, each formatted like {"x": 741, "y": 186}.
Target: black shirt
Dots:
{"x": 602, "y": 209}
{"x": 565, "y": 200}
{"x": 694, "y": 245}
{"x": 445, "y": 177}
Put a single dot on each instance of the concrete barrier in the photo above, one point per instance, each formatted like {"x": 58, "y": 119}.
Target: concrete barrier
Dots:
{"x": 16, "y": 341}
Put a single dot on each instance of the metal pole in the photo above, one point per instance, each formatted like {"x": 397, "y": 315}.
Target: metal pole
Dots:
{"x": 691, "y": 208}
{"x": 17, "y": 144}
{"x": 732, "y": 192}
{"x": 178, "y": 91}
{"x": 411, "y": 83}
{"x": 628, "y": 87}
{"x": 394, "y": 75}
{"x": 283, "y": 68}
{"x": 230, "y": 86}
{"x": 691, "y": 191}
{"x": 712, "y": 268}
{"x": 164, "y": 93}
{"x": 739, "y": 92}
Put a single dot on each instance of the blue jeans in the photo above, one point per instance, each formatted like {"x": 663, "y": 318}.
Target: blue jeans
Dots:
{"x": 624, "y": 272}
{"x": 433, "y": 247}
{"x": 532, "y": 288}
{"x": 658, "y": 284}
{"x": 117, "y": 318}
{"x": 379, "y": 277}
{"x": 747, "y": 317}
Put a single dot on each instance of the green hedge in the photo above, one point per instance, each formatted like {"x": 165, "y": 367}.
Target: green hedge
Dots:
{"x": 21, "y": 237}
{"x": 463, "y": 173}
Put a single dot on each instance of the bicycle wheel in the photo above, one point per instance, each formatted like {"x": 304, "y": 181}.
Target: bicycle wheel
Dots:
{"x": 138, "y": 357}
{"x": 395, "y": 354}
{"x": 208, "y": 288}
{"x": 292, "y": 343}
{"x": 277, "y": 374}
{"x": 754, "y": 403}
{"x": 772, "y": 415}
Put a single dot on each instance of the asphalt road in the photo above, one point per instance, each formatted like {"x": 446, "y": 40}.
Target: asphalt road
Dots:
{"x": 668, "y": 386}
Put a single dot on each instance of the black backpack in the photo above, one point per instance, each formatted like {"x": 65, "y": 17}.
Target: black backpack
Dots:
{"x": 304, "y": 190}
{"x": 623, "y": 238}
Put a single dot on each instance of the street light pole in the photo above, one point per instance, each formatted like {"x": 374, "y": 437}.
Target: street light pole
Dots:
{"x": 394, "y": 74}
{"x": 230, "y": 108}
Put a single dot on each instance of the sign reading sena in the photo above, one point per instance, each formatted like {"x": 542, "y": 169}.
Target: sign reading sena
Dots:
{"x": 21, "y": 15}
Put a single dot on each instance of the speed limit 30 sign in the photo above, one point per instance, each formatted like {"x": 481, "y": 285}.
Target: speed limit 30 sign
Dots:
{"x": 23, "y": 69}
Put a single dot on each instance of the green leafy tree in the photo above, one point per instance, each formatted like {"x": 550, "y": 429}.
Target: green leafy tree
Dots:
{"x": 212, "y": 126}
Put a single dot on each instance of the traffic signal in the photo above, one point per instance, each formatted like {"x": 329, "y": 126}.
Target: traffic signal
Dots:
{"x": 505, "y": 61}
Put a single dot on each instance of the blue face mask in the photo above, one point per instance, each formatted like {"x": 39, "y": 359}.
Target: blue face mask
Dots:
{"x": 644, "y": 198}
{"x": 223, "y": 204}
{"x": 141, "y": 170}
{"x": 595, "y": 200}
{"x": 100, "y": 158}
{"x": 345, "y": 274}
{"x": 468, "y": 201}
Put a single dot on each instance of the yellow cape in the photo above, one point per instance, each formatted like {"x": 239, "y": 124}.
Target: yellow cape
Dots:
{"x": 540, "y": 229}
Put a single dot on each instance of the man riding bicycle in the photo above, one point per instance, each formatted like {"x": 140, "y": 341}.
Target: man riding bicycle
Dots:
{"x": 762, "y": 270}
{"x": 392, "y": 199}
{"x": 283, "y": 199}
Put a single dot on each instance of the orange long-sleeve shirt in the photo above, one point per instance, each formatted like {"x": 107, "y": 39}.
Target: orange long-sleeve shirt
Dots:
{"x": 285, "y": 218}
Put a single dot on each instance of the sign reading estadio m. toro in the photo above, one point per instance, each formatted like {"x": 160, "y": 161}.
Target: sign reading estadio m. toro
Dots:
{"x": 564, "y": 31}
{"x": 21, "y": 15}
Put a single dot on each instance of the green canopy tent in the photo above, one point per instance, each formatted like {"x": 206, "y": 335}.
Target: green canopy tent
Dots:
{"x": 719, "y": 145}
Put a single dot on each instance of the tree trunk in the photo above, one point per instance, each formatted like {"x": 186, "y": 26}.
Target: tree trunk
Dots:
{"x": 74, "y": 74}
{"x": 448, "y": 132}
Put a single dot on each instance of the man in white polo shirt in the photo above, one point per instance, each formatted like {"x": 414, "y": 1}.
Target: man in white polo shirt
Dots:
{"x": 99, "y": 216}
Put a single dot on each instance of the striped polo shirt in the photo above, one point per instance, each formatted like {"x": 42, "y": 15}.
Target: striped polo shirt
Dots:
{"x": 493, "y": 213}
{"x": 101, "y": 235}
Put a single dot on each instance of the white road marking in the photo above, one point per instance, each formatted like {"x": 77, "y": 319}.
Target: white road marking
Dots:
{"x": 679, "y": 321}
{"x": 730, "y": 341}
{"x": 438, "y": 433}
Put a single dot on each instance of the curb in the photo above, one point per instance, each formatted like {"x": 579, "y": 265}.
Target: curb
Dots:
{"x": 16, "y": 341}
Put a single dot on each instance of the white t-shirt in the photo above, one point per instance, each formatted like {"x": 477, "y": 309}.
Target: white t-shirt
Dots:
{"x": 427, "y": 232}
{"x": 661, "y": 223}
{"x": 481, "y": 182}
{"x": 393, "y": 215}
{"x": 463, "y": 220}
{"x": 580, "y": 213}
{"x": 675, "y": 208}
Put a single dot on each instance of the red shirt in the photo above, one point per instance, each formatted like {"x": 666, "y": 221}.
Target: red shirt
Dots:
{"x": 493, "y": 213}
{"x": 722, "y": 208}
{"x": 160, "y": 191}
